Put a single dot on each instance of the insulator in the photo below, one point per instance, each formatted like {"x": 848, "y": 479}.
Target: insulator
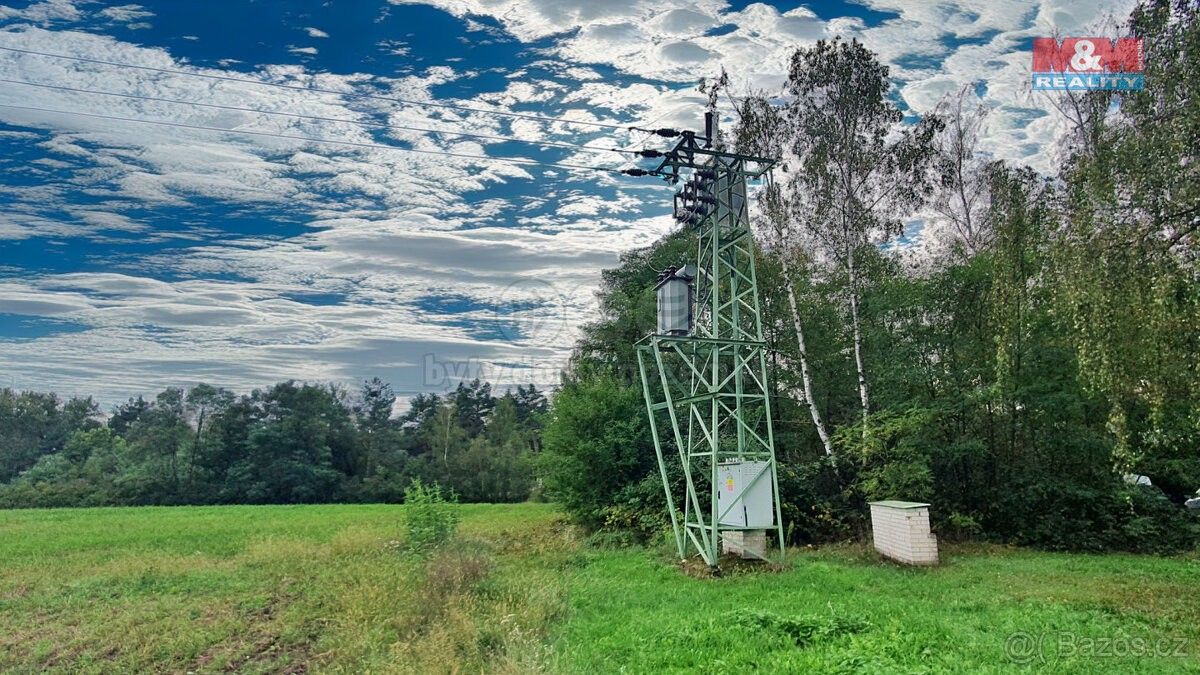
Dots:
{"x": 650, "y": 153}
{"x": 695, "y": 192}
{"x": 638, "y": 172}
{"x": 690, "y": 215}
{"x": 706, "y": 174}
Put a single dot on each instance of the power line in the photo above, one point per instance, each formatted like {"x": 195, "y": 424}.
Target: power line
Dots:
{"x": 318, "y": 90}
{"x": 386, "y": 125}
{"x": 357, "y": 144}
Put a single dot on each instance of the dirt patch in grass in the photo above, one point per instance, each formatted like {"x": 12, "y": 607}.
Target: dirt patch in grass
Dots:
{"x": 728, "y": 566}
{"x": 259, "y": 646}
{"x": 268, "y": 651}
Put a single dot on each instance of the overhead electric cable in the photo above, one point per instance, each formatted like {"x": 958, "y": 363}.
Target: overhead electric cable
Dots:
{"x": 318, "y": 90}
{"x": 369, "y": 123}
{"x": 357, "y": 144}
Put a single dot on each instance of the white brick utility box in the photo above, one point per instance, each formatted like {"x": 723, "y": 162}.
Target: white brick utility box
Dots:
{"x": 901, "y": 532}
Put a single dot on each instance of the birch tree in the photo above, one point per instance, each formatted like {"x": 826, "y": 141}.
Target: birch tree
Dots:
{"x": 961, "y": 200}
{"x": 761, "y": 132}
{"x": 861, "y": 170}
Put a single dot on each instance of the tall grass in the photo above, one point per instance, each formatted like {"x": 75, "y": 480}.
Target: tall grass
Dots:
{"x": 272, "y": 589}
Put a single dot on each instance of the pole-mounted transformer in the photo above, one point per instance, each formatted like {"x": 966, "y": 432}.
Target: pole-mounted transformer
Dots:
{"x": 674, "y": 292}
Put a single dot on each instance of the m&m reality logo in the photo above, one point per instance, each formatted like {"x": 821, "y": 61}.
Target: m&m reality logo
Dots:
{"x": 1088, "y": 63}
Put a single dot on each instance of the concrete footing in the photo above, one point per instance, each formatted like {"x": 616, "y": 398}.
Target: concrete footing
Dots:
{"x": 749, "y": 544}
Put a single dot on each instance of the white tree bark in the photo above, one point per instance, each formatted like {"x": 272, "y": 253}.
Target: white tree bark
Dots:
{"x": 805, "y": 376}
{"x": 963, "y": 202}
{"x": 858, "y": 351}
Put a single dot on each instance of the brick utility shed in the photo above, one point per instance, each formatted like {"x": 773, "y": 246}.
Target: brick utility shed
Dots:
{"x": 901, "y": 532}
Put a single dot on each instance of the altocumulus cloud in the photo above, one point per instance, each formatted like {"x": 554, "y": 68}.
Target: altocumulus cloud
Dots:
{"x": 183, "y": 255}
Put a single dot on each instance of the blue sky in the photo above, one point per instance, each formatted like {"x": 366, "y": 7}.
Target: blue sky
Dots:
{"x": 137, "y": 256}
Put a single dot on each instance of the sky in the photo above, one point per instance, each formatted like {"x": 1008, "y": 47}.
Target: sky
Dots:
{"x": 224, "y": 246}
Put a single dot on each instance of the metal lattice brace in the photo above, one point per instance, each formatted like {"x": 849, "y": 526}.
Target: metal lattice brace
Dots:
{"x": 707, "y": 393}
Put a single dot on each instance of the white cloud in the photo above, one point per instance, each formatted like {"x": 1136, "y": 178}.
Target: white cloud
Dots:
{"x": 382, "y": 231}
{"x": 152, "y": 334}
{"x": 43, "y": 13}
{"x": 394, "y": 47}
{"x": 683, "y": 22}
{"x": 126, "y": 13}
{"x": 923, "y": 42}
{"x": 316, "y": 32}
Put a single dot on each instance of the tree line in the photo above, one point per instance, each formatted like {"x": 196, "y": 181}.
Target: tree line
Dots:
{"x": 289, "y": 443}
{"x": 1020, "y": 374}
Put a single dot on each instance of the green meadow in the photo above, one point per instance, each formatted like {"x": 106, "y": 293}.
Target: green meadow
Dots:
{"x": 335, "y": 589}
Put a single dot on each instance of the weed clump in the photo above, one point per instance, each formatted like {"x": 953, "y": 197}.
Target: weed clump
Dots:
{"x": 431, "y": 515}
{"x": 803, "y": 630}
{"x": 456, "y": 571}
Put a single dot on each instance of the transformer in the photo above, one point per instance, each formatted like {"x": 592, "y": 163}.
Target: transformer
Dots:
{"x": 674, "y": 291}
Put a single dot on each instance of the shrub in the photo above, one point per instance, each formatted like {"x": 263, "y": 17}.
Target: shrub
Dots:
{"x": 960, "y": 527}
{"x": 640, "y": 509}
{"x": 431, "y": 515}
{"x": 892, "y": 459}
{"x": 1071, "y": 516}
{"x": 597, "y": 443}
{"x": 815, "y": 506}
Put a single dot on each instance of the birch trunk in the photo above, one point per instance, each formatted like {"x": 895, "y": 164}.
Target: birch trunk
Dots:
{"x": 804, "y": 372}
{"x": 858, "y": 357}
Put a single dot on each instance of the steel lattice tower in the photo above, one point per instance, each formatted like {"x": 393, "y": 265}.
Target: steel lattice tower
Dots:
{"x": 708, "y": 389}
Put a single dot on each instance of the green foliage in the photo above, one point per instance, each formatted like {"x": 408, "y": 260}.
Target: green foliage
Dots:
{"x": 640, "y": 508}
{"x": 1075, "y": 516}
{"x": 430, "y": 515}
{"x": 893, "y": 460}
{"x": 288, "y": 443}
{"x": 1126, "y": 267}
{"x": 816, "y": 506}
{"x": 82, "y": 474}
{"x": 597, "y": 442}
{"x": 34, "y": 424}
{"x": 803, "y": 630}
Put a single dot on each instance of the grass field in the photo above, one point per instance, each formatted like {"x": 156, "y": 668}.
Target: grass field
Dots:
{"x": 332, "y": 588}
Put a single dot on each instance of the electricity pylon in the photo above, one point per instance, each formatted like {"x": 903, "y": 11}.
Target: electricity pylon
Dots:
{"x": 708, "y": 389}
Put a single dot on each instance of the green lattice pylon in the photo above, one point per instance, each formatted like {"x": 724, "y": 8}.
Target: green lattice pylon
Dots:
{"x": 707, "y": 392}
